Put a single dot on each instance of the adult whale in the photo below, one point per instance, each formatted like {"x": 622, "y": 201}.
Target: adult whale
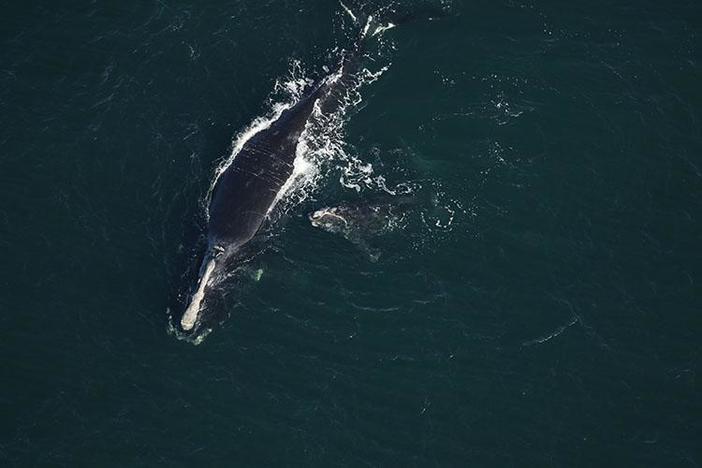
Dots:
{"x": 245, "y": 192}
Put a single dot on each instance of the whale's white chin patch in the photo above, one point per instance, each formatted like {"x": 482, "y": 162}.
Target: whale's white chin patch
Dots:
{"x": 191, "y": 313}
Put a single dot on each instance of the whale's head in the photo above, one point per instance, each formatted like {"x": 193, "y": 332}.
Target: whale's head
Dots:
{"x": 211, "y": 274}
{"x": 329, "y": 219}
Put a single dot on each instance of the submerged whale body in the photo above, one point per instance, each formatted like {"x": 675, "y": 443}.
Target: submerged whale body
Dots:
{"x": 359, "y": 222}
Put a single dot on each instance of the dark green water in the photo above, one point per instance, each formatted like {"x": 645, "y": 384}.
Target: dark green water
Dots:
{"x": 555, "y": 322}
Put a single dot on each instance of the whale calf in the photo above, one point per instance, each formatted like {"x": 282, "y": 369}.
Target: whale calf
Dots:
{"x": 361, "y": 221}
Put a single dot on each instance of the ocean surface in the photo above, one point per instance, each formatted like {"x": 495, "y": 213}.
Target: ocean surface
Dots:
{"x": 538, "y": 303}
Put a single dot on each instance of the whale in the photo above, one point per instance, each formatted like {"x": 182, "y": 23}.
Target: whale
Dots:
{"x": 246, "y": 191}
{"x": 370, "y": 218}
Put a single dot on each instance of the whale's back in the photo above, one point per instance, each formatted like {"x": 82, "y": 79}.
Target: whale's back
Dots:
{"x": 248, "y": 188}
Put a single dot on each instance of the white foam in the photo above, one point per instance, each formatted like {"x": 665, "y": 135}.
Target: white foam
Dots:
{"x": 193, "y": 310}
{"x": 367, "y": 26}
{"x": 350, "y": 13}
{"x": 382, "y": 29}
{"x": 304, "y": 172}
